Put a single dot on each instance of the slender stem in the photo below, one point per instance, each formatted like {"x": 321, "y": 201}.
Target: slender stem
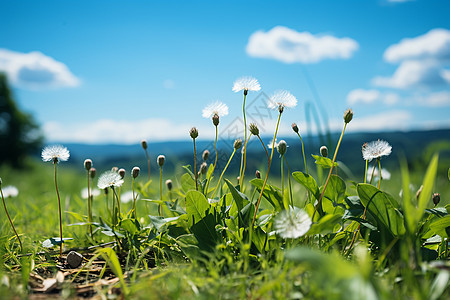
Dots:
{"x": 241, "y": 177}
{"x": 89, "y": 204}
{"x": 60, "y": 216}
{"x": 148, "y": 162}
{"x": 282, "y": 179}
{"x": 10, "y": 221}
{"x": 115, "y": 218}
{"x": 303, "y": 151}
{"x": 160, "y": 192}
{"x": 319, "y": 202}
{"x": 265, "y": 149}
{"x": 365, "y": 172}
{"x": 373, "y": 173}
{"x": 379, "y": 173}
{"x": 244, "y": 153}
{"x": 195, "y": 167}
{"x": 134, "y": 200}
{"x": 223, "y": 172}
{"x": 267, "y": 174}
{"x": 289, "y": 182}
{"x": 214, "y": 166}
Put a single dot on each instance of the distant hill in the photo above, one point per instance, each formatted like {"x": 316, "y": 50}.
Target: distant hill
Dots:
{"x": 412, "y": 144}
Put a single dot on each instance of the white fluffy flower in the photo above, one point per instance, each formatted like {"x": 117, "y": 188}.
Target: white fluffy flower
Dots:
{"x": 246, "y": 83}
{"x": 376, "y": 149}
{"x": 55, "y": 153}
{"x": 292, "y": 223}
{"x": 385, "y": 174}
{"x": 216, "y": 108}
{"x": 282, "y": 99}
{"x": 10, "y": 191}
{"x": 109, "y": 179}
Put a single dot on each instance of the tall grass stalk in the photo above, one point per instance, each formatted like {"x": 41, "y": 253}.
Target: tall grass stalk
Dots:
{"x": 9, "y": 218}
{"x": 55, "y": 162}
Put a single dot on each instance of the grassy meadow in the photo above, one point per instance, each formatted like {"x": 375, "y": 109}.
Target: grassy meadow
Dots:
{"x": 289, "y": 233}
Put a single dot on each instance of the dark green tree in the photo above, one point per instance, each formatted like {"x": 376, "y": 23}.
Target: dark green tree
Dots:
{"x": 19, "y": 133}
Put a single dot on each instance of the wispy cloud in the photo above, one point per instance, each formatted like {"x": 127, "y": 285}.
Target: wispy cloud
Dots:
{"x": 371, "y": 96}
{"x": 35, "y": 70}
{"x": 422, "y": 60}
{"x": 290, "y": 46}
{"x": 438, "y": 99}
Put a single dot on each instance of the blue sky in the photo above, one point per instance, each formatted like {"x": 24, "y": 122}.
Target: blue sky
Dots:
{"x": 122, "y": 71}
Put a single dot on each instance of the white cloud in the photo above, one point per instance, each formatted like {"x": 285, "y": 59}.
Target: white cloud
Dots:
{"x": 35, "y": 70}
{"x": 120, "y": 131}
{"x": 438, "y": 99}
{"x": 413, "y": 73}
{"x": 434, "y": 45}
{"x": 371, "y": 96}
{"x": 290, "y": 46}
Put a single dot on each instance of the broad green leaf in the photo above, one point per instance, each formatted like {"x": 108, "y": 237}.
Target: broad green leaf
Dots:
{"x": 259, "y": 239}
{"x": 383, "y": 207}
{"x": 238, "y": 197}
{"x": 130, "y": 225}
{"x": 325, "y": 162}
{"x": 196, "y": 206}
{"x": 159, "y": 222}
{"x": 271, "y": 194}
{"x": 210, "y": 170}
{"x": 427, "y": 189}
{"x": 335, "y": 191}
{"x": 441, "y": 227}
{"x": 325, "y": 225}
{"x": 308, "y": 182}
{"x": 187, "y": 183}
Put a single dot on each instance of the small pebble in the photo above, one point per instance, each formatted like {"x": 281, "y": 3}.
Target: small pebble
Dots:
{"x": 74, "y": 259}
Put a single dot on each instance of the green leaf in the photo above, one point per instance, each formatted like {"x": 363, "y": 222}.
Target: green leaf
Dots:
{"x": 308, "y": 182}
{"x": 324, "y": 162}
{"x": 441, "y": 227}
{"x": 239, "y": 197}
{"x": 272, "y": 194}
{"x": 159, "y": 222}
{"x": 325, "y": 225}
{"x": 427, "y": 189}
{"x": 130, "y": 225}
{"x": 335, "y": 191}
{"x": 187, "y": 183}
{"x": 383, "y": 207}
{"x": 196, "y": 206}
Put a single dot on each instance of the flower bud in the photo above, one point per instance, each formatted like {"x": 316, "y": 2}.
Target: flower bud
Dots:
{"x": 294, "y": 127}
{"x": 92, "y": 171}
{"x": 122, "y": 173}
{"x": 348, "y": 115}
{"x": 193, "y": 132}
{"x": 436, "y": 198}
{"x": 144, "y": 144}
{"x": 281, "y": 108}
{"x": 87, "y": 164}
{"x": 160, "y": 160}
{"x": 324, "y": 151}
{"x": 135, "y": 172}
{"x": 205, "y": 155}
{"x": 254, "y": 129}
{"x": 215, "y": 120}
{"x": 237, "y": 144}
{"x": 114, "y": 169}
{"x": 169, "y": 184}
{"x": 282, "y": 147}
{"x": 258, "y": 174}
{"x": 203, "y": 168}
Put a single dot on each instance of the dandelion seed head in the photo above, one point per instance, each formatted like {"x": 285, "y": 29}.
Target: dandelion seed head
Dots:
{"x": 55, "y": 153}
{"x": 292, "y": 223}
{"x": 376, "y": 149}
{"x": 217, "y": 108}
{"x": 10, "y": 191}
{"x": 246, "y": 83}
{"x": 281, "y": 99}
{"x": 109, "y": 179}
